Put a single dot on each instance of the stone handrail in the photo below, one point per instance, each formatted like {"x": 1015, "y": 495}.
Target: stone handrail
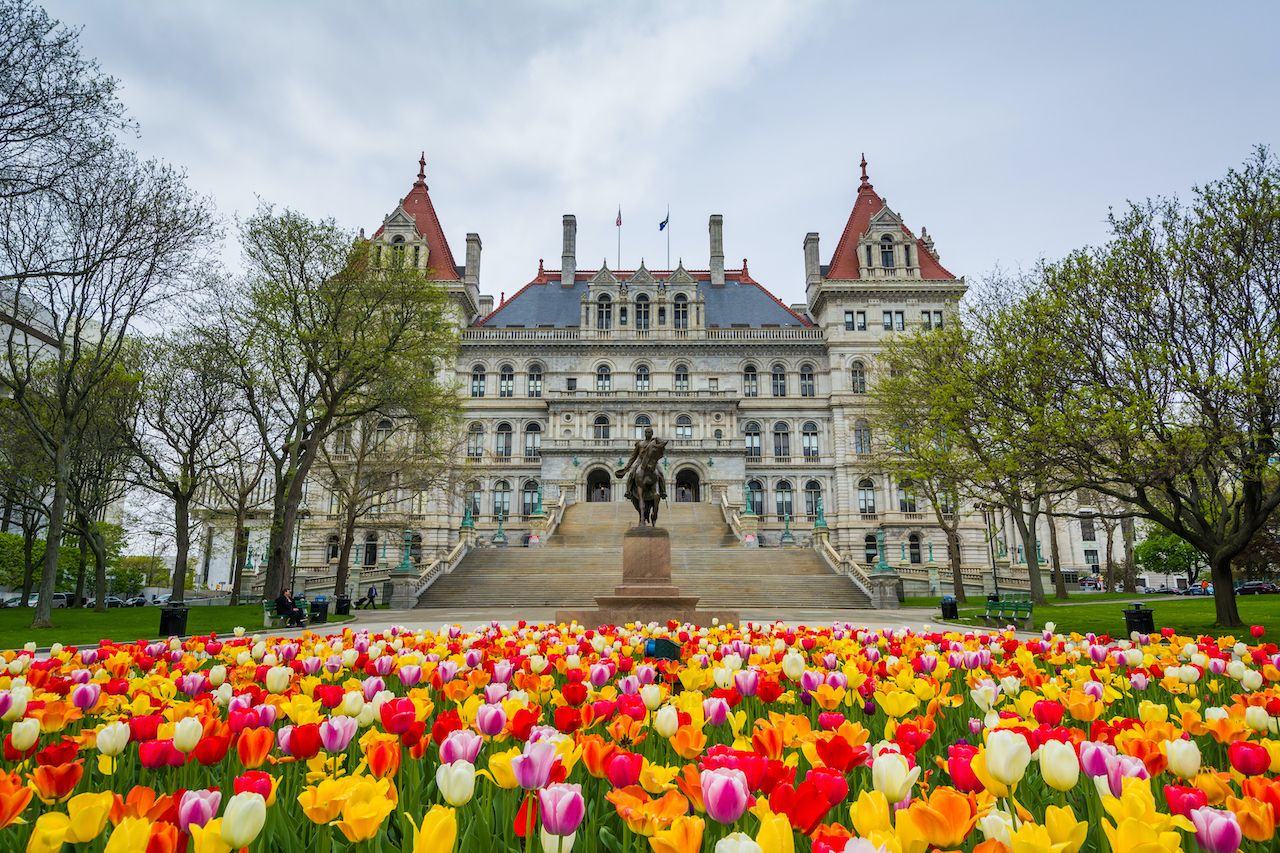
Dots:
{"x": 842, "y": 565}
{"x": 555, "y": 514}
{"x": 730, "y": 515}
{"x": 441, "y": 566}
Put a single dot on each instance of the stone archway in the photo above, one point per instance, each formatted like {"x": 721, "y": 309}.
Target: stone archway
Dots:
{"x": 688, "y": 486}
{"x": 599, "y": 486}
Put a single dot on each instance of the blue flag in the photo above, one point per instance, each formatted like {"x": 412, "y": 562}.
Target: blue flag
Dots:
{"x": 663, "y": 224}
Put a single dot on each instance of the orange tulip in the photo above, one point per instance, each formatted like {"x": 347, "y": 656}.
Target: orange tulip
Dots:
{"x": 683, "y": 836}
{"x": 767, "y": 740}
{"x": 142, "y": 802}
{"x": 1256, "y": 818}
{"x": 14, "y": 797}
{"x": 946, "y": 818}
{"x": 55, "y": 782}
{"x": 253, "y": 745}
{"x": 55, "y": 715}
{"x": 644, "y": 816}
{"x": 1149, "y": 753}
{"x": 690, "y": 784}
{"x": 596, "y": 753}
{"x": 627, "y": 731}
{"x": 688, "y": 742}
{"x": 383, "y": 756}
{"x": 165, "y": 838}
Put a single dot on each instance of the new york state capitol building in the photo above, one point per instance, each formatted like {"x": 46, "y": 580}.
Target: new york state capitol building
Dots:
{"x": 765, "y": 404}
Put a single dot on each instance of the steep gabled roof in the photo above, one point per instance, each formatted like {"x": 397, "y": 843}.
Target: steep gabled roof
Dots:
{"x": 419, "y": 207}
{"x": 844, "y": 261}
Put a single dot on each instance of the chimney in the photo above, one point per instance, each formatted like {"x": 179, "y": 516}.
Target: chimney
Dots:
{"x": 812, "y": 269}
{"x": 716, "y": 227}
{"x": 486, "y": 305}
{"x": 569, "y": 252}
{"x": 471, "y": 273}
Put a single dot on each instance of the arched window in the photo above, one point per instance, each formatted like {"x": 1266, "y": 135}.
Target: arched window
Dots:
{"x": 858, "y": 378}
{"x": 642, "y": 423}
{"x": 861, "y": 437}
{"x": 866, "y": 497}
{"x": 532, "y": 441}
{"x": 812, "y": 497}
{"x": 809, "y": 440}
{"x": 335, "y": 546}
{"x": 371, "y": 549}
{"x": 502, "y": 444}
{"x": 869, "y": 547}
{"x": 604, "y": 378}
{"x": 782, "y": 499}
{"x": 755, "y": 493}
{"x": 471, "y": 498}
{"x": 382, "y": 434}
{"x": 529, "y": 497}
{"x": 642, "y": 311}
{"x": 907, "y": 496}
{"x": 506, "y": 381}
{"x": 642, "y": 378}
{"x": 752, "y": 430}
{"x": 781, "y": 440}
{"x": 886, "y": 252}
{"x": 913, "y": 547}
{"x": 779, "y": 374}
{"x": 806, "y": 380}
{"x": 684, "y": 428}
{"x": 604, "y": 312}
{"x": 750, "y": 381}
{"x": 680, "y": 312}
{"x": 475, "y": 440}
{"x": 477, "y": 381}
{"x": 502, "y": 498}
{"x": 682, "y": 377}
{"x": 342, "y": 440}
{"x": 600, "y": 428}
{"x": 535, "y": 380}
{"x": 397, "y": 250}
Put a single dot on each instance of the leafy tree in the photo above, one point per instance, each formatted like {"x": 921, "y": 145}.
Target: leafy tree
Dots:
{"x": 235, "y": 488}
{"x": 13, "y": 562}
{"x": 1167, "y": 553}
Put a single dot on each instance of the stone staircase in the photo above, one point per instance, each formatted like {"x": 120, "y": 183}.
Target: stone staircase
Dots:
{"x": 584, "y": 559}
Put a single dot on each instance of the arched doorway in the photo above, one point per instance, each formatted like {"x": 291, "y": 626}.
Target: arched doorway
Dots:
{"x": 599, "y": 486}
{"x": 688, "y": 486}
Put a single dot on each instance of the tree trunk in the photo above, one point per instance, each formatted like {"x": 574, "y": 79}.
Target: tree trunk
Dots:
{"x": 1128, "y": 534}
{"x": 1055, "y": 558}
{"x": 182, "y": 544}
{"x": 957, "y": 575}
{"x": 1109, "y": 570}
{"x": 1026, "y": 523}
{"x": 28, "y": 559}
{"x": 53, "y": 539}
{"x": 207, "y": 559}
{"x": 1224, "y": 594}
{"x": 82, "y": 565}
{"x": 239, "y": 554}
{"x": 7, "y": 519}
{"x": 99, "y": 547}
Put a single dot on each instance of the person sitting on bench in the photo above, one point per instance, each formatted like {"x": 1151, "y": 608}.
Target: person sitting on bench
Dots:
{"x": 289, "y": 609}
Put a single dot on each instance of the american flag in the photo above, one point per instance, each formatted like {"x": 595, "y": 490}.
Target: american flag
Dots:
{"x": 619, "y": 222}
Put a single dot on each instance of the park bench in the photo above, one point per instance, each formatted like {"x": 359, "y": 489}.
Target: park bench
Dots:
{"x": 1016, "y": 608}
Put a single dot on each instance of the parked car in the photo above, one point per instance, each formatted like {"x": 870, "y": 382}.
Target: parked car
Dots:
{"x": 62, "y": 599}
{"x": 16, "y": 601}
{"x": 112, "y": 601}
{"x": 1257, "y": 588}
{"x": 161, "y": 600}
{"x": 136, "y": 601}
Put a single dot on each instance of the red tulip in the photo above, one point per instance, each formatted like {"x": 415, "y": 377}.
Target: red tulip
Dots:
{"x": 255, "y": 782}
{"x": 1251, "y": 759}
{"x": 960, "y": 767}
{"x": 1047, "y": 713}
{"x": 838, "y": 754}
{"x": 624, "y": 769}
{"x": 398, "y": 715}
{"x": 144, "y": 727}
{"x": 62, "y": 752}
{"x": 806, "y": 804}
{"x": 1257, "y": 631}
{"x": 155, "y": 754}
{"x": 212, "y": 749}
{"x": 1182, "y": 800}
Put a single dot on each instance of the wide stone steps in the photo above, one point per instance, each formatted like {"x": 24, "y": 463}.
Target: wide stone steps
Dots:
{"x": 706, "y": 560}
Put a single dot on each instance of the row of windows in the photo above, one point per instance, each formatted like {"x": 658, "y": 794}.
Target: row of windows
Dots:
{"x": 501, "y": 499}
{"x": 856, "y": 321}
{"x": 643, "y": 380}
{"x": 783, "y": 502}
{"x": 887, "y": 253}
{"x": 871, "y": 552}
{"x": 679, "y": 312}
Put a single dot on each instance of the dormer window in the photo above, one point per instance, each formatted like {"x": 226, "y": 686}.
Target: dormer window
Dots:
{"x": 397, "y": 250}
{"x": 604, "y": 312}
{"x": 642, "y": 312}
{"x": 886, "y": 252}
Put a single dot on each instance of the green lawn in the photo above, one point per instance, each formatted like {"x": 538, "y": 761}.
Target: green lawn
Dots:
{"x": 77, "y": 627}
{"x": 1076, "y": 597}
{"x": 1187, "y": 616}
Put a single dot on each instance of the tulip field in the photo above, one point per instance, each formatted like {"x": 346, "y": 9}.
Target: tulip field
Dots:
{"x": 557, "y": 738}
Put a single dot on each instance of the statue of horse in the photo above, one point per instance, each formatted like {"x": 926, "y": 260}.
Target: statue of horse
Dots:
{"x": 646, "y": 487}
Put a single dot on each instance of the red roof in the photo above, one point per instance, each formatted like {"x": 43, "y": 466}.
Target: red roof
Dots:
{"x": 844, "y": 261}
{"x": 418, "y": 205}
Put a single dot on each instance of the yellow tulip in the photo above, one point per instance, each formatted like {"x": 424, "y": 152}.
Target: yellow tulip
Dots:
{"x": 657, "y": 778}
{"x": 944, "y": 819}
{"x": 1059, "y": 765}
{"x": 132, "y": 833}
{"x": 683, "y": 836}
{"x": 323, "y": 802}
{"x": 49, "y": 833}
{"x": 208, "y": 838}
{"x": 243, "y": 818}
{"x": 898, "y": 703}
{"x": 775, "y": 835}
{"x": 1064, "y": 829}
{"x": 88, "y": 816}
{"x": 870, "y": 813}
{"x": 499, "y": 771}
{"x": 438, "y": 832}
{"x": 1134, "y": 836}
{"x": 362, "y": 816}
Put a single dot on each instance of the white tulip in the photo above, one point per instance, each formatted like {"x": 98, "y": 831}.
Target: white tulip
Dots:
{"x": 113, "y": 738}
{"x": 25, "y": 733}
{"x": 1257, "y": 718}
{"x": 352, "y": 703}
{"x": 666, "y": 721}
{"x": 217, "y": 675}
{"x": 1251, "y": 680}
{"x": 1184, "y": 757}
{"x": 278, "y": 678}
{"x": 187, "y": 733}
{"x": 1008, "y": 755}
{"x": 738, "y": 842}
{"x": 793, "y": 665}
{"x": 18, "y": 707}
{"x": 893, "y": 776}
{"x": 651, "y": 695}
{"x": 457, "y": 782}
{"x": 243, "y": 818}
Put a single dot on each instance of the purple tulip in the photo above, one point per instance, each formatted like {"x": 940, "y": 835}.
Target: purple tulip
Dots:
{"x": 1094, "y": 757}
{"x": 1094, "y": 689}
{"x": 311, "y": 665}
{"x": 646, "y": 673}
{"x": 460, "y": 745}
{"x": 725, "y": 793}
{"x": 629, "y": 684}
{"x": 410, "y": 675}
{"x": 975, "y": 727}
{"x": 1123, "y": 767}
{"x": 336, "y": 733}
{"x": 284, "y": 738}
{"x": 830, "y": 661}
{"x": 502, "y": 671}
{"x": 837, "y": 679}
{"x": 872, "y": 655}
{"x": 333, "y": 664}
{"x": 928, "y": 663}
{"x": 88, "y": 657}
{"x": 267, "y": 715}
{"x": 6, "y": 702}
{"x": 1139, "y": 680}
{"x": 197, "y": 808}
{"x": 561, "y": 808}
{"x": 532, "y": 768}
{"x": 491, "y": 720}
{"x": 288, "y": 651}
{"x": 1217, "y": 666}
{"x": 447, "y": 670}
{"x": 1097, "y": 654}
{"x": 1216, "y": 830}
{"x": 716, "y": 711}
{"x": 85, "y": 696}
{"x": 955, "y": 659}
{"x": 383, "y": 665}
{"x": 372, "y": 686}
{"x": 746, "y": 681}
{"x": 600, "y": 675}
{"x": 810, "y": 680}
{"x": 473, "y": 658}
{"x": 495, "y": 692}
{"x": 454, "y": 632}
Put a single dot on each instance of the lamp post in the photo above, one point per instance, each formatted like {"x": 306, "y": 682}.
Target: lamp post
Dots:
{"x": 988, "y": 513}
{"x": 155, "y": 547}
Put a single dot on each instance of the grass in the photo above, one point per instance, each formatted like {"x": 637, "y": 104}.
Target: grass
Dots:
{"x": 1076, "y": 597}
{"x": 1189, "y": 617}
{"x": 77, "y": 627}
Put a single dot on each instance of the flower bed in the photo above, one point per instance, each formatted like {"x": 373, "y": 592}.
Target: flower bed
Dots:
{"x": 557, "y": 738}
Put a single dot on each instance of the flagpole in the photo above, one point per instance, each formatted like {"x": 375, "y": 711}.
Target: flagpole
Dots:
{"x": 619, "y": 262}
{"x": 668, "y": 230}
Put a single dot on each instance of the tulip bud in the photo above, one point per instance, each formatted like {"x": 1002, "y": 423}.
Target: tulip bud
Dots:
{"x": 278, "y": 678}
{"x": 793, "y": 665}
{"x": 113, "y": 738}
{"x": 666, "y": 721}
{"x": 893, "y": 776}
{"x": 1059, "y": 765}
{"x": 187, "y": 733}
{"x": 25, "y": 733}
{"x": 651, "y": 695}
{"x": 1008, "y": 755}
{"x": 457, "y": 782}
{"x": 1184, "y": 757}
{"x": 243, "y": 819}
{"x": 738, "y": 842}
{"x": 217, "y": 675}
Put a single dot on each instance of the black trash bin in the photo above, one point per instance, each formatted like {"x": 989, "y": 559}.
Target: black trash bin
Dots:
{"x": 173, "y": 620}
{"x": 320, "y": 610}
{"x": 342, "y": 606}
{"x": 1140, "y": 619}
{"x": 950, "y": 610}
{"x": 993, "y": 597}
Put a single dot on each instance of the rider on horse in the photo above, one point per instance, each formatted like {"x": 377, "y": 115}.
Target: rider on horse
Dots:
{"x": 645, "y": 484}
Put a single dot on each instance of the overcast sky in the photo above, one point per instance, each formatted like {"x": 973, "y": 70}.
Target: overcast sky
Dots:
{"x": 1006, "y": 128}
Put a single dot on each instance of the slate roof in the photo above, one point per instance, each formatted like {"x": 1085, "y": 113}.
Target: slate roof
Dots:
{"x": 742, "y": 302}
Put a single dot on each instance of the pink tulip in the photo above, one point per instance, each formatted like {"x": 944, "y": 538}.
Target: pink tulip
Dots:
{"x": 333, "y": 664}
{"x": 495, "y": 692}
{"x": 624, "y": 769}
{"x": 198, "y": 807}
{"x": 383, "y": 665}
{"x": 473, "y": 658}
{"x": 490, "y": 720}
{"x": 85, "y": 696}
{"x": 810, "y": 680}
{"x": 372, "y": 686}
{"x": 725, "y": 794}
{"x": 1094, "y": 756}
{"x": 646, "y": 673}
{"x": 1216, "y": 830}
{"x": 600, "y": 675}
{"x": 311, "y": 665}
{"x": 746, "y": 681}
{"x": 532, "y": 769}
{"x": 1139, "y": 681}
{"x": 562, "y": 808}
{"x": 502, "y": 671}
{"x": 629, "y": 685}
{"x": 336, "y": 733}
{"x": 447, "y": 670}
{"x": 716, "y": 710}
{"x": 410, "y": 675}
{"x": 460, "y": 745}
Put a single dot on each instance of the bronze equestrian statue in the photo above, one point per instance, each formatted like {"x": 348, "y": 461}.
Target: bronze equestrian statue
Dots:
{"x": 646, "y": 487}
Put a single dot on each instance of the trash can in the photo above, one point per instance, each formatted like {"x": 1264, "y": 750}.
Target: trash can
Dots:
{"x": 993, "y": 597}
{"x": 342, "y": 606}
{"x": 950, "y": 610}
{"x": 1139, "y": 619}
{"x": 173, "y": 620}
{"x": 320, "y": 610}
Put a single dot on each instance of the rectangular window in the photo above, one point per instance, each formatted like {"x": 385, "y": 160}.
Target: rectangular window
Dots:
{"x": 937, "y": 319}
{"x": 782, "y": 445}
{"x": 571, "y": 384}
{"x": 662, "y": 316}
{"x": 888, "y": 321}
{"x": 1091, "y": 559}
{"x": 899, "y": 320}
{"x": 535, "y": 384}
{"x": 753, "y": 445}
{"x": 506, "y": 385}
{"x": 622, "y": 316}
{"x": 1088, "y": 532}
{"x": 713, "y": 384}
{"x": 848, "y": 321}
{"x": 860, "y": 321}
{"x": 806, "y": 384}
{"x": 532, "y": 444}
{"x": 926, "y": 319}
